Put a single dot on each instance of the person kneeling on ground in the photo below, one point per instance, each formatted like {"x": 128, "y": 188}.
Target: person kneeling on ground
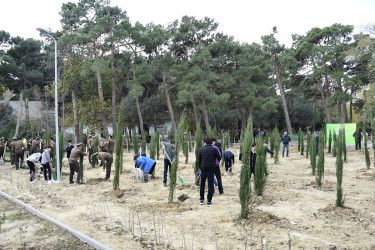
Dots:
{"x": 73, "y": 163}
{"x": 107, "y": 160}
{"x": 146, "y": 164}
{"x": 31, "y": 160}
{"x": 229, "y": 160}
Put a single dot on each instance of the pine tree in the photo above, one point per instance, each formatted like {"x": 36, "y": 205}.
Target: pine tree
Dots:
{"x": 198, "y": 145}
{"x": 178, "y": 144}
{"x": 313, "y": 154}
{"x": 135, "y": 141}
{"x": 119, "y": 148}
{"x": 245, "y": 188}
{"x": 339, "y": 169}
{"x": 260, "y": 168}
{"x": 299, "y": 139}
{"x": 144, "y": 141}
{"x": 320, "y": 166}
{"x": 367, "y": 155}
{"x": 302, "y": 144}
{"x": 329, "y": 141}
{"x": 344, "y": 143}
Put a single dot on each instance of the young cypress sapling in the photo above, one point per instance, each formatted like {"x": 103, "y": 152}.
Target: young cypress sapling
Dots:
{"x": 308, "y": 139}
{"x": 320, "y": 165}
{"x": 260, "y": 168}
{"x": 118, "y": 160}
{"x": 339, "y": 170}
{"x": 179, "y": 137}
{"x": 302, "y": 144}
{"x": 245, "y": 187}
{"x": 135, "y": 141}
{"x": 313, "y": 154}
{"x": 334, "y": 149}
{"x": 299, "y": 139}
{"x": 367, "y": 155}
{"x": 344, "y": 143}
{"x": 329, "y": 141}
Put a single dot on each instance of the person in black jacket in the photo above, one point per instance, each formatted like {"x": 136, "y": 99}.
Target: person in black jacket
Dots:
{"x": 253, "y": 158}
{"x": 286, "y": 139}
{"x": 207, "y": 162}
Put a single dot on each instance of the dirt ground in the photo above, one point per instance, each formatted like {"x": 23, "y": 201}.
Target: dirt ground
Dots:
{"x": 20, "y": 229}
{"x": 292, "y": 211}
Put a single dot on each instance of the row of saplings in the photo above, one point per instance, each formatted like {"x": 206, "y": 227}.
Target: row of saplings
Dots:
{"x": 317, "y": 164}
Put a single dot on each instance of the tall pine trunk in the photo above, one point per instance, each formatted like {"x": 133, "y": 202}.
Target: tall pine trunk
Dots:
{"x": 75, "y": 116}
{"x": 283, "y": 99}
{"x": 19, "y": 119}
{"x": 113, "y": 90}
{"x": 205, "y": 115}
{"x": 195, "y": 111}
{"x": 169, "y": 104}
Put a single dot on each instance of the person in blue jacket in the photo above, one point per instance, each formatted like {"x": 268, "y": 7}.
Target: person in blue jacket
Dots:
{"x": 69, "y": 148}
{"x": 146, "y": 164}
{"x": 285, "y": 139}
{"x": 229, "y": 160}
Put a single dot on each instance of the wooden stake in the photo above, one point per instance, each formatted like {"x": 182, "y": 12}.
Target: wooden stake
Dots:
{"x": 140, "y": 227}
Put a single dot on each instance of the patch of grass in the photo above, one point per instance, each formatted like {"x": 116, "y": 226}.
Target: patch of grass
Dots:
{"x": 15, "y": 216}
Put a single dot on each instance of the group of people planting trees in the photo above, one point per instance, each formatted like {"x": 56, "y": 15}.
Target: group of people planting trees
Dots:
{"x": 210, "y": 156}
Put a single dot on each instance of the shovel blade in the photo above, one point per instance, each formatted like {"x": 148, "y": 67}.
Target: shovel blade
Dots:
{"x": 183, "y": 197}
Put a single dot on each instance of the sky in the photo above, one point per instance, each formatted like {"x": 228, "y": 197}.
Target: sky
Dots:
{"x": 245, "y": 20}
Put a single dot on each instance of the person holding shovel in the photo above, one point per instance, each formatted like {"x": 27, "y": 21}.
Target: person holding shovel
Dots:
{"x": 207, "y": 162}
{"x": 168, "y": 158}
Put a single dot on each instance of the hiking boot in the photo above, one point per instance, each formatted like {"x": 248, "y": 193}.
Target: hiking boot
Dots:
{"x": 79, "y": 183}
{"x": 209, "y": 204}
{"x": 72, "y": 182}
{"x": 164, "y": 184}
{"x": 201, "y": 202}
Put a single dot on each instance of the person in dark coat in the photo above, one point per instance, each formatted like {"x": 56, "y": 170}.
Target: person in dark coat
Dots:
{"x": 229, "y": 160}
{"x": 69, "y": 149}
{"x": 217, "y": 169}
{"x": 207, "y": 156}
{"x": 285, "y": 139}
{"x": 253, "y": 158}
{"x": 359, "y": 138}
{"x": 317, "y": 142}
{"x": 266, "y": 149}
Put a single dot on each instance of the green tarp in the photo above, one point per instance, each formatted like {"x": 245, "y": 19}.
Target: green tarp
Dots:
{"x": 349, "y": 131}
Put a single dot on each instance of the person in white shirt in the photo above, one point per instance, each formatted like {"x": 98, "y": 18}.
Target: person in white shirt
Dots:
{"x": 31, "y": 160}
{"x": 47, "y": 163}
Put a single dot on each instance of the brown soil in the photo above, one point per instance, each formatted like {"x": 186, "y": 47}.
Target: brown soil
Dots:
{"x": 293, "y": 207}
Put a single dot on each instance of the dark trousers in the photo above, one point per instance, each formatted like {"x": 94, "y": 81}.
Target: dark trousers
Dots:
{"x": 108, "y": 165}
{"x": 228, "y": 165}
{"x": 145, "y": 175}
{"x": 209, "y": 175}
{"x": 31, "y": 166}
{"x": 45, "y": 168}
{"x": 74, "y": 167}
{"x": 90, "y": 153}
{"x": 19, "y": 156}
{"x": 12, "y": 158}
{"x": 359, "y": 144}
{"x": 218, "y": 178}
{"x": 2, "y": 154}
{"x": 167, "y": 167}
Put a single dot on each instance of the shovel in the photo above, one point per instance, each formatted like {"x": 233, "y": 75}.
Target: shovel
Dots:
{"x": 184, "y": 197}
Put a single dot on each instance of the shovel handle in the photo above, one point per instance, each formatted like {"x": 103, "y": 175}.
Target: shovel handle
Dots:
{"x": 193, "y": 184}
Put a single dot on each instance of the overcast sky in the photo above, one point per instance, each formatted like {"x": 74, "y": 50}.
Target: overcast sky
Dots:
{"x": 246, "y": 20}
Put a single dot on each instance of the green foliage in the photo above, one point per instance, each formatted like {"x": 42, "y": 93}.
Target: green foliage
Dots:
{"x": 299, "y": 139}
{"x": 339, "y": 168}
{"x": 94, "y": 150}
{"x": 245, "y": 176}
{"x": 329, "y": 141}
{"x": 367, "y": 155}
{"x": 334, "y": 150}
{"x": 178, "y": 144}
{"x": 128, "y": 142}
{"x": 198, "y": 145}
{"x": 61, "y": 149}
{"x": 308, "y": 139}
{"x": 119, "y": 148}
{"x": 320, "y": 165}
{"x": 190, "y": 144}
{"x": 373, "y": 145}
{"x": 157, "y": 140}
{"x": 185, "y": 147}
{"x": 260, "y": 168}
{"x": 313, "y": 154}
{"x": 275, "y": 138}
{"x": 135, "y": 141}
{"x": 144, "y": 141}
{"x": 154, "y": 141}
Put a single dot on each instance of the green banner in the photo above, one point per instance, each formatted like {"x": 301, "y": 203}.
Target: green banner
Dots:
{"x": 349, "y": 131}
